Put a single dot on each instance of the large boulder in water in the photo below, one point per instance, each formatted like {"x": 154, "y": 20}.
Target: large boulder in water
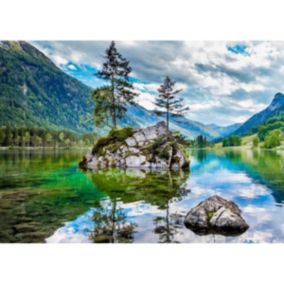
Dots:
{"x": 216, "y": 215}
{"x": 151, "y": 147}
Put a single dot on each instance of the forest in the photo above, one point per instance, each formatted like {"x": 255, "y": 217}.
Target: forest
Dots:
{"x": 38, "y": 137}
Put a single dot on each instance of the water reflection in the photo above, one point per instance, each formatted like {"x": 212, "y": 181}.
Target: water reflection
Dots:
{"x": 112, "y": 226}
{"x": 157, "y": 202}
{"x": 130, "y": 185}
{"x": 166, "y": 227}
{"x": 45, "y": 197}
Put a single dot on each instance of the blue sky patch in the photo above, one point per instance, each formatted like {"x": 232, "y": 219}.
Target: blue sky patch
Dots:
{"x": 238, "y": 49}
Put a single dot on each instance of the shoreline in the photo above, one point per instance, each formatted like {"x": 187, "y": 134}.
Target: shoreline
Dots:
{"x": 7, "y": 148}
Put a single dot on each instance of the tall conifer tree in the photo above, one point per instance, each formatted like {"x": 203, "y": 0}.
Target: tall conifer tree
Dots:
{"x": 167, "y": 101}
{"x": 113, "y": 99}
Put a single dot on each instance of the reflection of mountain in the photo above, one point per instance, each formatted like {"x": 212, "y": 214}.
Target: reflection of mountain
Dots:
{"x": 156, "y": 188}
{"x": 266, "y": 167}
{"x": 263, "y": 167}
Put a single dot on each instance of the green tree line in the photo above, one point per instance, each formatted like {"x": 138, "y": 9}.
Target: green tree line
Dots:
{"x": 37, "y": 137}
{"x": 232, "y": 141}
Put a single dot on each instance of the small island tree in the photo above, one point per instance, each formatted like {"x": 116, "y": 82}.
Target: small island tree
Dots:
{"x": 111, "y": 100}
{"x": 167, "y": 101}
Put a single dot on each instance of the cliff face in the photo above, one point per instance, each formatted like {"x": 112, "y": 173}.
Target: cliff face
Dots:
{"x": 150, "y": 148}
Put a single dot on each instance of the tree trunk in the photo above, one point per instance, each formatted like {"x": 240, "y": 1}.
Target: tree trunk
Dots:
{"x": 113, "y": 105}
{"x": 168, "y": 118}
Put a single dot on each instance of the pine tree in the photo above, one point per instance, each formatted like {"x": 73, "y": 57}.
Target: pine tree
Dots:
{"x": 103, "y": 106}
{"x": 116, "y": 71}
{"x": 167, "y": 102}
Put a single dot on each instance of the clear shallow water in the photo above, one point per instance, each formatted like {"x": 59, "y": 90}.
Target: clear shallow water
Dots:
{"x": 44, "y": 197}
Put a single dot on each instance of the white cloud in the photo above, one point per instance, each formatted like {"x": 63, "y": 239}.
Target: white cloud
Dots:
{"x": 71, "y": 67}
{"x": 232, "y": 85}
{"x": 59, "y": 60}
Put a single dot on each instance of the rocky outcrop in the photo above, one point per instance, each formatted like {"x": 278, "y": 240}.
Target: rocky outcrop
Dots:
{"x": 216, "y": 215}
{"x": 149, "y": 147}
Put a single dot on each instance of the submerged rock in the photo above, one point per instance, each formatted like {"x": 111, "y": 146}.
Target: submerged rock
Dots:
{"x": 149, "y": 147}
{"x": 216, "y": 215}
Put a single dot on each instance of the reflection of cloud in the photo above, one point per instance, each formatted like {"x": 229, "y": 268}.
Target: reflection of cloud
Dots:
{"x": 79, "y": 230}
{"x": 260, "y": 214}
{"x": 213, "y": 175}
{"x": 251, "y": 192}
{"x": 76, "y": 231}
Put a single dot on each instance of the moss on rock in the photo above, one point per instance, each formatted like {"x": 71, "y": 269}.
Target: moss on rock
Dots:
{"x": 154, "y": 148}
{"x": 113, "y": 141}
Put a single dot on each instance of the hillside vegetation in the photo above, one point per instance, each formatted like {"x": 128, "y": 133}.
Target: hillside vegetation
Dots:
{"x": 35, "y": 93}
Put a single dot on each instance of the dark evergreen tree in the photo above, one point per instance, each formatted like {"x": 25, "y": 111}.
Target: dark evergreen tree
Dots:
{"x": 103, "y": 106}
{"x": 116, "y": 71}
{"x": 167, "y": 102}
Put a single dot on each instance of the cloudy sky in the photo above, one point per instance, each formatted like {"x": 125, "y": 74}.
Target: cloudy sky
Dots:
{"x": 222, "y": 82}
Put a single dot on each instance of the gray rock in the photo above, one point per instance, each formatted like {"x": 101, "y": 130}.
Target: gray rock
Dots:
{"x": 216, "y": 215}
{"x": 138, "y": 150}
{"x": 130, "y": 141}
{"x": 139, "y": 137}
{"x": 135, "y": 161}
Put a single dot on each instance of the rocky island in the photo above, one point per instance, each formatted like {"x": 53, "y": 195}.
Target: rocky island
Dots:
{"x": 152, "y": 147}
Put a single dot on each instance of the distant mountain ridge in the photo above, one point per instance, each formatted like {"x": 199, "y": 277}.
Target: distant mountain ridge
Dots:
{"x": 275, "y": 108}
{"x": 224, "y": 130}
{"x": 34, "y": 92}
{"x": 137, "y": 116}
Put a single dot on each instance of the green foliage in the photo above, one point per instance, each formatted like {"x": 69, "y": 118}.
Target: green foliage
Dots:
{"x": 201, "y": 142}
{"x": 36, "y": 93}
{"x": 111, "y": 100}
{"x": 276, "y": 122}
{"x": 37, "y": 137}
{"x": 120, "y": 135}
{"x": 255, "y": 141}
{"x": 167, "y": 101}
{"x": 273, "y": 139}
{"x": 103, "y": 107}
{"x": 181, "y": 139}
{"x": 210, "y": 215}
{"x": 114, "y": 139}
{"x": 232, "y": 141}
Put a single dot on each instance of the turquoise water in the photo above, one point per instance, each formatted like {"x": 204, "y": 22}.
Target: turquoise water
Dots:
{"x": 45, "y": 197}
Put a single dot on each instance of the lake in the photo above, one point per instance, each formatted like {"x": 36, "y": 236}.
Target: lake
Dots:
{"x": 45, "y": 197}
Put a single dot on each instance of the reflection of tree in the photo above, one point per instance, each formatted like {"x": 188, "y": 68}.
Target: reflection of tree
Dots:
{"x": 154, "y": 187}
{"x": 201, "y": 155}
{"x": 111, "y": 225}
{"x": 167, "y": 226}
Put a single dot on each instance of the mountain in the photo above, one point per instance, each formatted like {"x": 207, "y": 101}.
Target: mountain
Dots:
{"x": 36, "y": 93}
{"x": 275, "y": 108}
{"x": 224, "y": 130}
{"x": 137, "y": 116}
